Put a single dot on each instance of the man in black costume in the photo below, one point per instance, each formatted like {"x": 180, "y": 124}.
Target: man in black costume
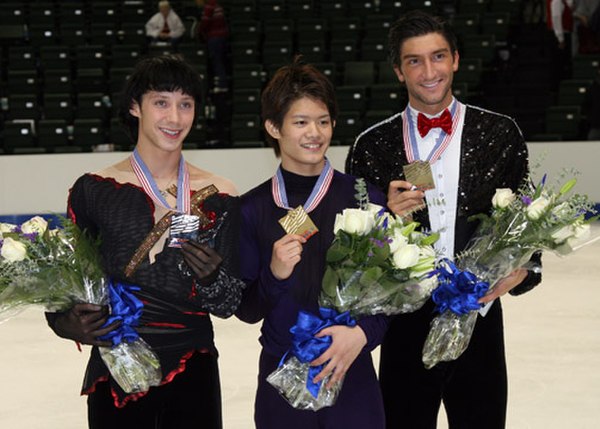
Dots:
{"x": 134, "y": 206}
{"x": 469, "y": 152}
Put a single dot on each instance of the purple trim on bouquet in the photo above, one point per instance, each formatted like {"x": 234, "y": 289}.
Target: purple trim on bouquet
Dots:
{"x": 306, "y": 347}
{"x": 458, "y": 291}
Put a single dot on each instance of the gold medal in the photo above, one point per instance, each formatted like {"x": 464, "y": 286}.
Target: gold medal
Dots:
{"x": 298, "y": 222}
{"x": 419, "y": 174}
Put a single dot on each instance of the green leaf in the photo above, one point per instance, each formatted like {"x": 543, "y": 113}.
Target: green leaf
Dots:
{"x": 409, "y": 229}
{"x": 567, "y": 186}
{"x": 337, "y": 252}
{"x": 380, "y": 254}
{"x": 430, "y": 239}
{"x": 330, "y": 282}
{"x": 371, "y": 276}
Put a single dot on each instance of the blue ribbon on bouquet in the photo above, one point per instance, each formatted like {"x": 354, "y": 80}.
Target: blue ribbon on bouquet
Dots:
{"x": 125, "y": 307}
{"x": 306, "y": 347}
{"x": 458, "y": 290}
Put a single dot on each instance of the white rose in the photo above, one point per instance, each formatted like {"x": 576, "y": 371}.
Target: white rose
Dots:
{"x": 398, "y": 240}
{"x": 581, "y": 231}
{"x": 6, "y": 227}
{"x": 36, "y": 224}
{"x": 13, "y": 250}
{"x": 537, "y": 207}
{"x": 406, "y": 257}
{"x": 354, "y": 221}
{"x": 561, "y": 210}
{"x": 562, "y": 234}
{"x": 374, "y": 209}
{"x": 503, "y": 197}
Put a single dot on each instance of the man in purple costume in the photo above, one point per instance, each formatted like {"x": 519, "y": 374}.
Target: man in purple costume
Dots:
{"x": 283, "y": 272}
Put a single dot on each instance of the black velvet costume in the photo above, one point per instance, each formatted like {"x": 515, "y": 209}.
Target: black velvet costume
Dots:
{"x": 474, "y": 387}
{"x": 175, "y": 320}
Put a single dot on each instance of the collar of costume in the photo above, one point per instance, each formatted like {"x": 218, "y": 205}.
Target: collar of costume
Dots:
{"x": 410, "y": 135}
{"x": 318, "y": 192}
{"x": 149, "y": 184}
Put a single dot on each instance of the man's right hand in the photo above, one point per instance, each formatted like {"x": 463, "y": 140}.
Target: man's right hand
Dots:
{"x": 83, "y": 323}
{"x": 402, "y": 200}
{"x": 287, "y": 253}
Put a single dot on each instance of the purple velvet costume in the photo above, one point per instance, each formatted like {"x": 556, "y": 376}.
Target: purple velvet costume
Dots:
{"x": 277, "y": 303}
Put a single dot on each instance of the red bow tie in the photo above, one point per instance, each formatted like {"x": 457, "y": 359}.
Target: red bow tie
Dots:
{"x": 444, "y": 121}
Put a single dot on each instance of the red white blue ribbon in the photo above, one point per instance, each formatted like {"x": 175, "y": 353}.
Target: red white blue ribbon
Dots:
{"x": 318, "y": 192}
{"x": 149, "y": 184}
{"x": 410, "y": 138}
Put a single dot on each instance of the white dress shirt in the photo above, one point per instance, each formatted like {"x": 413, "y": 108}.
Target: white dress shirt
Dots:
{"x": 442, "y": 201}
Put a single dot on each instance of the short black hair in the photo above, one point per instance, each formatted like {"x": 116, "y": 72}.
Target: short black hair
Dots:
{"x": 290, "y": 83}
{"x": 413, "y": 24}
{"x": 159, "y": 73}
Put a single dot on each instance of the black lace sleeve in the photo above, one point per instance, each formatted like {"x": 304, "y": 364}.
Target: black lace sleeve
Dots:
{"x": 223, "y": 295}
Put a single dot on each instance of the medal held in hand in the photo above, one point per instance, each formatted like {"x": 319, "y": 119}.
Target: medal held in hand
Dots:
{"x": 184, "y": 227}
{"x": 298, "y": 222}
{"x": 419, "y": 174}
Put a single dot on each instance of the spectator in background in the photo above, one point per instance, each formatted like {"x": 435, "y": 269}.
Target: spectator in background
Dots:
{"x": 560, "y": 21}
{"x": 559, "y": 17}
{"x": 591, "y": 107}
{"x": 212, "y": 29}
{"x": 165, "y": 26}
{"x": 584, "y": 12}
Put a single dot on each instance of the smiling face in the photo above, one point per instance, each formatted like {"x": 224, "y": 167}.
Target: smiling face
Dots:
{"x": 165, "y": 119}
{"x": 427, "y": 67}
{"x": 304, "y": 136}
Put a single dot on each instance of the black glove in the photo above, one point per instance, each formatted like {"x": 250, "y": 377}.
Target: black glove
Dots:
{"x": 203, "y": 260}
{"x": 82, "y": 323}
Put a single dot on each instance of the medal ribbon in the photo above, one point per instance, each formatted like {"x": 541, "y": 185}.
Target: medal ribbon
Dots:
{"x": 149, "y": 184}
{"x": 410, "y": 139}
{"x": 316, "y": 195}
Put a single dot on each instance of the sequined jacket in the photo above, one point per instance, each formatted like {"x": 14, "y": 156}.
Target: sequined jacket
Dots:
{"x": 493, "y": 155}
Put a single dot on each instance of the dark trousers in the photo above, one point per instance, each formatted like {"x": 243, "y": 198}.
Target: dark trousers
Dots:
{"x": 358, "y": 406}
{"x": 191, "y": 400}
{"x": 473, "y": 388}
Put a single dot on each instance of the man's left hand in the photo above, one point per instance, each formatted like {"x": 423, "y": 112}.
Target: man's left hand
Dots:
{"x": 504, "y": 285}
{"x": 203, "y": 260}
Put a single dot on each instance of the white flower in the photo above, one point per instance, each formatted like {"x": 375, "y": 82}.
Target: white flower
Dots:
{"x": 406, "y": 257}
{"x": 581, "y": 231}
{"x": 398, "y": 240}
{"x": 428, "y": 284}
{"x": 537, "y": 207}
{"x": 563, "y": 234}
{"x": 374, "y": 209}
{"x": 561, "y": 210}
{"x": 13, "y": 250}
{"x": 503, "y": 197}
{"x": 36, "y": 224}
{"x": 6, "y": 227}
{"x": 354, "y": 221}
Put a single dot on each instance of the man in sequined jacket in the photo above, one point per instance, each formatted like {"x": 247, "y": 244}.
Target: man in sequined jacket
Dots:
{"x": 471, "y": 152}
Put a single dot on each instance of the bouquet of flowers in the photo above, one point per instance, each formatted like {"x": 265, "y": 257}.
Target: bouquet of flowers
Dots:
{"x": 536, "y": 218}
{"x": 376, "y": 264}
{"x": 57, "y": 268}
